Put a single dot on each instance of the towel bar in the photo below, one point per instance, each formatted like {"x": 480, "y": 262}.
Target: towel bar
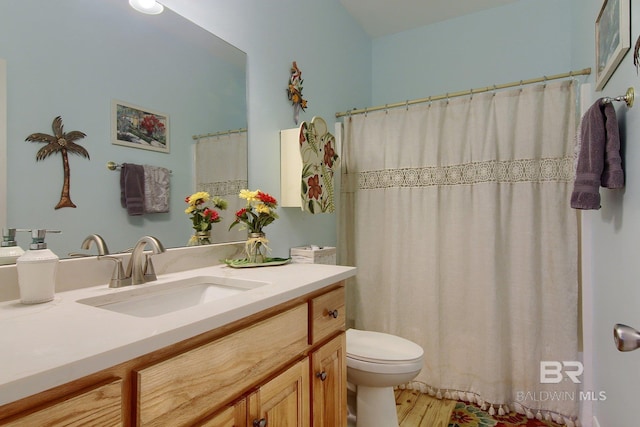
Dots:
{"x": 113, "y": 166}
{"x": 628, "y": 98}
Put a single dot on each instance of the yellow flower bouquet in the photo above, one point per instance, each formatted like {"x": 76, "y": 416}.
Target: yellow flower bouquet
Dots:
{"x": 202, "y": 209}
{"x": 257, "y": 214}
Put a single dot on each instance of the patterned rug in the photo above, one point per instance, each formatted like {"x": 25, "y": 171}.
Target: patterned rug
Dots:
{"x": 468, "y": 415}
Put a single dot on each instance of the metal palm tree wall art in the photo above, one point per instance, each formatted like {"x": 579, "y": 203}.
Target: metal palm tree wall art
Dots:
{"x": 63, "y": 143}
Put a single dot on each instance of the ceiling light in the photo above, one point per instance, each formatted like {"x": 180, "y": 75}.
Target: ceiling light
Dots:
{"x": 150, "y": 7}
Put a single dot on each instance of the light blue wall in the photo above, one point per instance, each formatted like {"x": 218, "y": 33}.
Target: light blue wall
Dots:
{"x": 522, "y": 40}
{"x": 334, "y": 55}
{"x": 615, "y": 232}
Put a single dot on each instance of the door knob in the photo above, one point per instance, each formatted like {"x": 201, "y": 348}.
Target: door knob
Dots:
{"x": 322, "y": 375}
{"x": 260, "y": 423}
{"x": 626, "y": 338}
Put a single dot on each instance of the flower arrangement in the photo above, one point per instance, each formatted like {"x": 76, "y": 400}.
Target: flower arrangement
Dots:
{"x": 202, "y": 208}
{"x": 258, "y": 213}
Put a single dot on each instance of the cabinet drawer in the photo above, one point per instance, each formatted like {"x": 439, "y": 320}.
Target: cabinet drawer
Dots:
{"x": 100, "y": 406}
{"x": 327, "y": 315}
{"x": 186, "y": 387}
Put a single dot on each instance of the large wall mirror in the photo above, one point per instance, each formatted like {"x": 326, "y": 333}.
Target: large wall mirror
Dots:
{"x": 73, "y": 58}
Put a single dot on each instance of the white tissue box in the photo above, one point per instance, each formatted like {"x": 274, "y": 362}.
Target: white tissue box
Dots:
{"x": 307, "y": 255}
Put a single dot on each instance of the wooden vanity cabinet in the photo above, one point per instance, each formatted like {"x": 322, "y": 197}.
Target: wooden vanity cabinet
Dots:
{"x": 282, "y": 367}
{"x": 283, "y": 401}
{"x": 100, "y": 406}
{"x": 186, "y": 387}
{"x": 232, "y": 416}
{"x": 328, "y": 359}
{"x": 329, "y": 391}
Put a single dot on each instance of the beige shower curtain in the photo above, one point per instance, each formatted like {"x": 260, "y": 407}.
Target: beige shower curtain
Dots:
{"x": 457, "y": 217}
{"x": 221, "y": 170}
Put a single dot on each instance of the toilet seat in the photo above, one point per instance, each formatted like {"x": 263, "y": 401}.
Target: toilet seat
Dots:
{"x": 367, "y": 350}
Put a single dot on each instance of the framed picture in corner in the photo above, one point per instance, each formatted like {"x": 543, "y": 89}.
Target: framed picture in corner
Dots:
{"x": 139, "y": 127}
{"x": 613, "y": 38}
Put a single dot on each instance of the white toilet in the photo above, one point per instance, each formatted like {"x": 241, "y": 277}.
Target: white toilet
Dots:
{"x": 376, "y": 362}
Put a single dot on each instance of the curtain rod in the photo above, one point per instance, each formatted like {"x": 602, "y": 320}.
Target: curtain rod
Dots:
{"x": 583, "y": 72}
{"x": 224, "y": 132}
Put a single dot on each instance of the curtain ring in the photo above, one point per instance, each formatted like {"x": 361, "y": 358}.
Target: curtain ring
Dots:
{"x": 545, "y": 81}
{"x": 471, "y": 92}
{"x": 521, "y": 88}
{"x": 386, "y": 108}
{"x": 429, "y": 102}
{"x": 494, "y": 89}
{"x": 447, "y": 98}
{"x": 407, "y": 105}
{"x": 365, "y": 111}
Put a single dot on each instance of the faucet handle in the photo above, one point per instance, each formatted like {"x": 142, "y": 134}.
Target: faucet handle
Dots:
{"x": 118, "y": 278}
{"x": 149, "y": 271}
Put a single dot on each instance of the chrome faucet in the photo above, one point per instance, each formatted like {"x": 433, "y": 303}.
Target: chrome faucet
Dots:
{"x": 86, "y": 244}
{"x": 99, "y": 241}
{"x": 140, "y": 268}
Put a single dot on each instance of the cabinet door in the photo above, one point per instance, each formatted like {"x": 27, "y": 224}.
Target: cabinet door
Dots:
{"x": 233, "y": 416}
{"x": 100, "y": 406}
{"x": 186, "y": 387}
{"x": 329, "y": 384}
{"x": 327, "y": 315}
{"x": 283, "y": 401}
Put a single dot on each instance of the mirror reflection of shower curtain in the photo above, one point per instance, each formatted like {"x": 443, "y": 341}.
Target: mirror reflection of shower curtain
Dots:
{"x": 221, "y": 170}
{"x": 457, "y": 216}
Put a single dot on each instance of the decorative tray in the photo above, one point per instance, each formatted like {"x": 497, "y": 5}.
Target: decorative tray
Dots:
{"x": 244, "y": 263}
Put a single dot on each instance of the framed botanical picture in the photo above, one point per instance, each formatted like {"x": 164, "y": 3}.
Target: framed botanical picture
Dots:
{"x": 139, "y": 127}
{"x": 613, "y": 38}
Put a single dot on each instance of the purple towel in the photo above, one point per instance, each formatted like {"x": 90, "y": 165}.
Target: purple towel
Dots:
{"x": 132, "y": 188}
{"x": 599, "y": 160}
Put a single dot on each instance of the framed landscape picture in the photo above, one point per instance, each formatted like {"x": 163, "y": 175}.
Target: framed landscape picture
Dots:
{"x": 613, "y": 38}
{"x": 139, "y": 127}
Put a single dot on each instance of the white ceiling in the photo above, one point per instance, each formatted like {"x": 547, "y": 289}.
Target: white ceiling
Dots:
{"x": 384, "y": 17}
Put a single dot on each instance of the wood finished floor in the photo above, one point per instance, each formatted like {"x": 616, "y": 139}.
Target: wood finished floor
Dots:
{"x": 416, "y": 409}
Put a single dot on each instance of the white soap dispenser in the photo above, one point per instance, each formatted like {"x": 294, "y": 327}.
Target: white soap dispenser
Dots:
{"x": 9, "y": 249}
{"x": 37, "y": 270}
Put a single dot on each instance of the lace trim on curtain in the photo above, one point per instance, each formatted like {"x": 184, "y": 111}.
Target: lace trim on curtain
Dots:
{"x": 223, "y": 188}
{"x": 503, "y": 172}
{"x": 492, "y": 408}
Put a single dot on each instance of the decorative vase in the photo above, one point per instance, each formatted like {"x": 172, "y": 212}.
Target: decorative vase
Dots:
{"x": 200, "y": 238}
{"x": 255, "y": 247}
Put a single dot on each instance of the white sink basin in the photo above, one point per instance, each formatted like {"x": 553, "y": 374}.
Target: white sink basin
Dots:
{"x": 155, "y": 300}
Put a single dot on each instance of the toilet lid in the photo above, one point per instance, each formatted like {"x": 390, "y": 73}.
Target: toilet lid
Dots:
{"x": 381, "y": 348}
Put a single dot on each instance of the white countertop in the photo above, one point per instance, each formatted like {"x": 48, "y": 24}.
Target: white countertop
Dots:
{"x": 46, "y": 345}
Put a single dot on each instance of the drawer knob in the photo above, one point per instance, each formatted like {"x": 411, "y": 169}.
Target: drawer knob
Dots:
{"x": 322, "y": 375}
{"x": 260, "y": 423}
{"x": 333, "y": 313}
